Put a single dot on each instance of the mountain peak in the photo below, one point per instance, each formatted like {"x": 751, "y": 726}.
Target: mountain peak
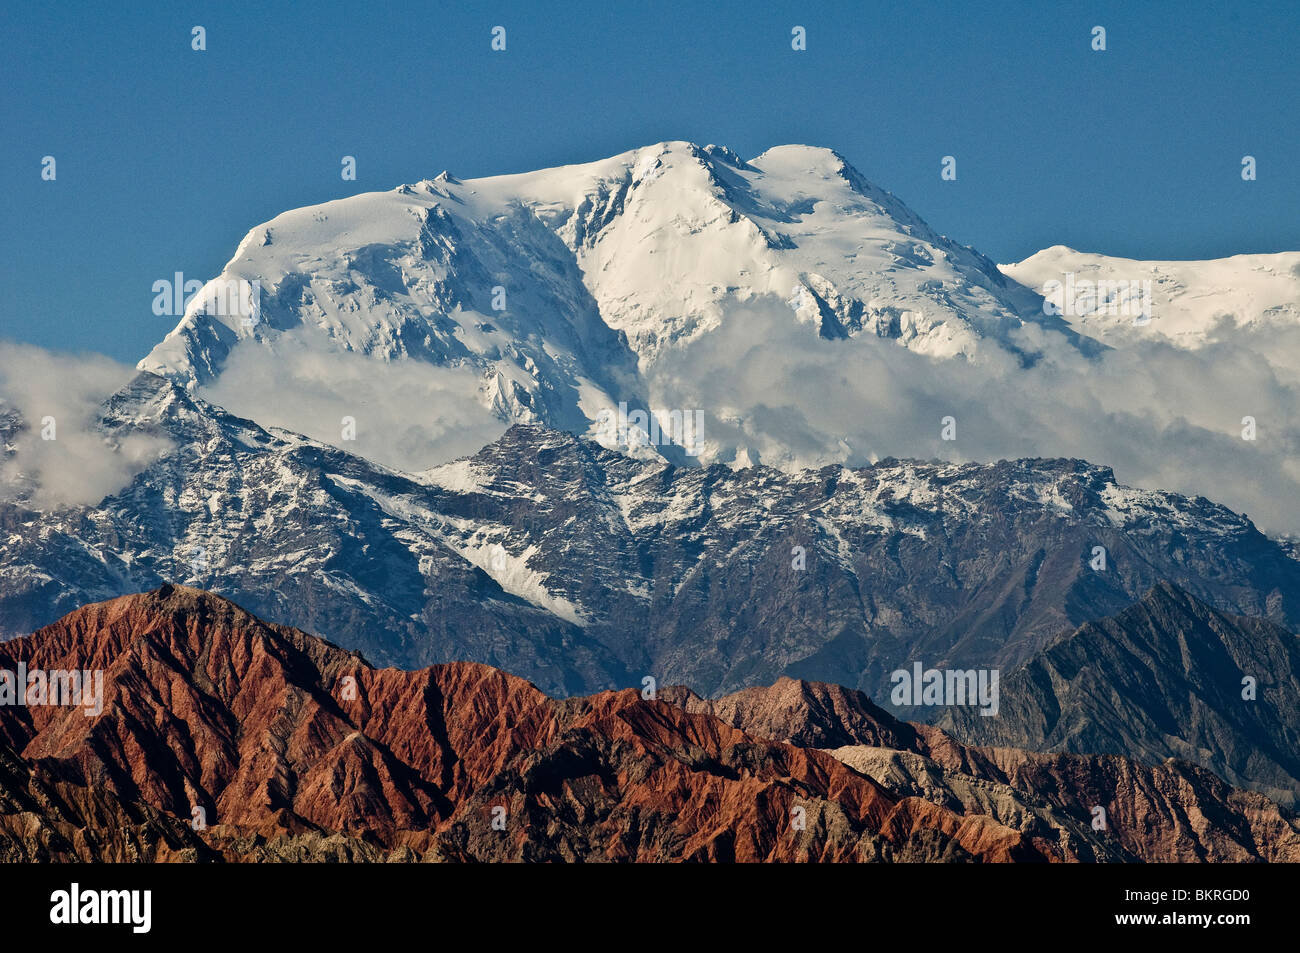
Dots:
{"x": 805, "y": 157}
{"x": 724, "y": 154}
{"x": 553, "y": 296}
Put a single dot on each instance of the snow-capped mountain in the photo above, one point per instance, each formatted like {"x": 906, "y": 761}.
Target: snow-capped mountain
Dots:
{"x": 279, "y": 453}
{"x": 677, "y": 302}
{"x": 582, "y": 568}
{"x": 818, "y": 322}
{"x": 1190, "y": 302}
{"x": 553, "y": 296}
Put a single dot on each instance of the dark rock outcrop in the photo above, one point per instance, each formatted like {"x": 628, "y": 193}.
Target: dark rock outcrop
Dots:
{"x": 1166, "y": 678}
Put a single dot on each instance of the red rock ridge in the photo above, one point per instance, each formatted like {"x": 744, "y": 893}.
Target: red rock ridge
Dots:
{"x": 261, "y": 726}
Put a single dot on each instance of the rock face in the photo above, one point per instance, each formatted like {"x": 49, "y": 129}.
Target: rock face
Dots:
{"x": 289, "y": 748}
{"x": 275, "y": 735}
{"x": 1166, "y": 678}
{"x": 1170, "y": 812}
{"x": 581, "y": 569}
{"x": 44, "y": 817}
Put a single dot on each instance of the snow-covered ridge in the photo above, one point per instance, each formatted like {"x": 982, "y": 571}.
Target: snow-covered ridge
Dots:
{"x": 1191, "y": 301}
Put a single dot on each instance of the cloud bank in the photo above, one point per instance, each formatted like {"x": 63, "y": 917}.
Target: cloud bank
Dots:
{"x": 1161, "y": 416}
{"x": 52, "y": 453}
{"x": 407, "y": 415}
{"x": 772, "y": 391}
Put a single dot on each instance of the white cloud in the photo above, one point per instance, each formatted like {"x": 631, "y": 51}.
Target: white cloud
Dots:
{"x": 409, "y": 415}
{"x": 1163, "y": 417}
{"x": 59, "y": 395}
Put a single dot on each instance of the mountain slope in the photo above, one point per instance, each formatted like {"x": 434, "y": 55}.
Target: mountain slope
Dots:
{"x": 1161, "y": 679}
{"x": 582, "y": 569}
{"x": 295, "y": 749}
{"x": 277, "y": 735}
{"x": 550, "y": 297}
{"x": 1170, "y": 812}
{"x": 1191, "y": 302}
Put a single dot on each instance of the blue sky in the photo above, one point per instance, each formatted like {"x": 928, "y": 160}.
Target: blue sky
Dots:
{"x": 167, "y": 156}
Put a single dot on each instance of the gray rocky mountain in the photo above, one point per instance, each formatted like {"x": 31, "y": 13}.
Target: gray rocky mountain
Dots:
{"x": 1165, "y": 678}
{"x": 581, "y": 568}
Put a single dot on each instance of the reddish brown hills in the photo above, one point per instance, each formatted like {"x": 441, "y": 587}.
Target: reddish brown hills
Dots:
{"x": 294, "y": 749}
{"x": 1174, "y": 811}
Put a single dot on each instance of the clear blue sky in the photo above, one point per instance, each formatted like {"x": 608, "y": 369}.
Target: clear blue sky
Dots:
{"x": 167, "y": 157}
